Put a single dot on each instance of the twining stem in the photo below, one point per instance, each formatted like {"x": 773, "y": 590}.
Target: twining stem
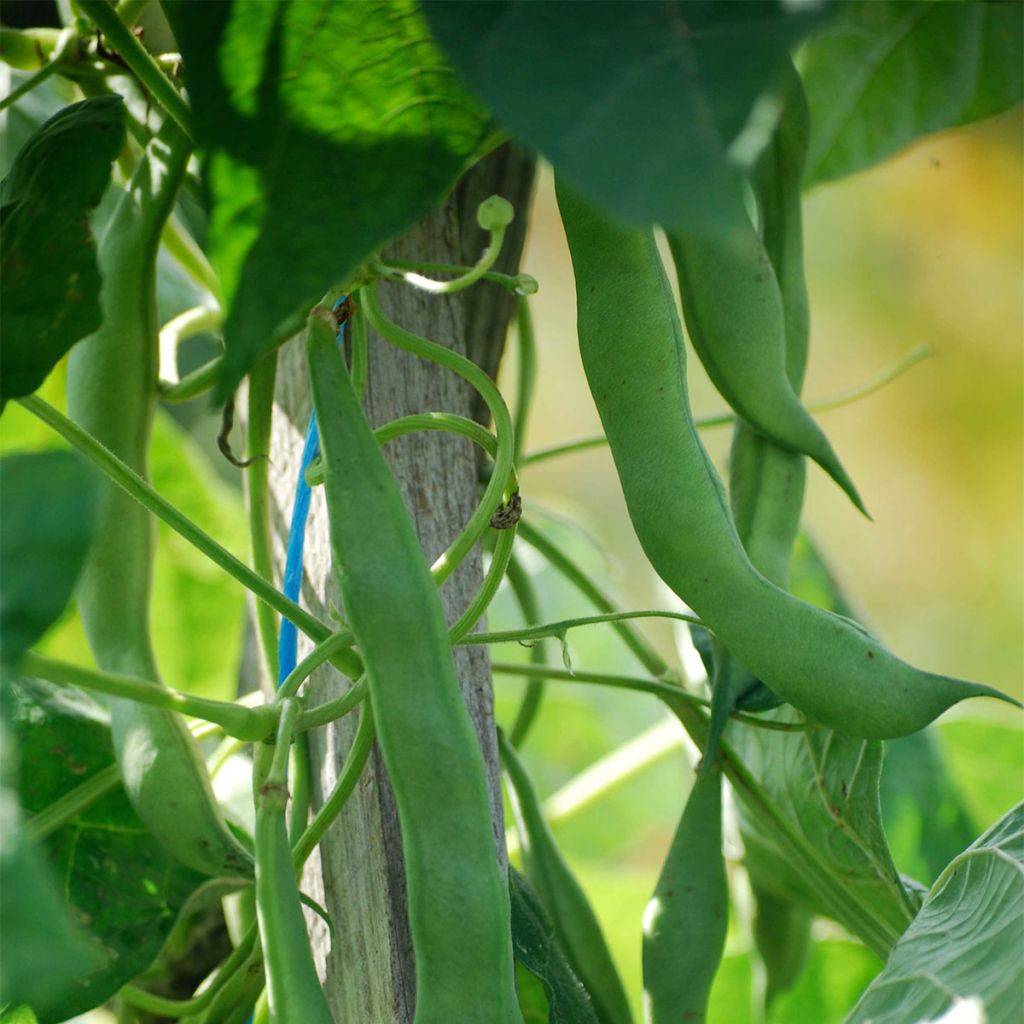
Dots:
{"x": 444, "y": 422}
{"x": 499, "y": 483}
{"x": 673, "y": 696}
{"x": 873, "y": 384}
{"x": 163, "y": 1007}
{"x": 519, "y": 284}
{"x": 323, "y": 652}
{"x": 192, "y": 384}
{"x": 526, "y": 597}
{"x": 67, "y": 807}
{"x": 356, "y": 758}
{"x": 236, "y": 720}
{"x": 135, "y": 486}
{"x": 359, "y": 347}
{"x": 527, "y": 373}
{"x": 262, "y": 379}
{"x": 647, "y": 655}
{"x": 559, "y": 629}
{"x": 185, "y": 325}
{"x": 332, "y": 710}
{"x": 139, "y": 60}
{"x": 485, "y": 594}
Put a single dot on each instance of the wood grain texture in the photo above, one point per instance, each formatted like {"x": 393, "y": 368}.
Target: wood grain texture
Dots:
{"x": 357, "y": 874}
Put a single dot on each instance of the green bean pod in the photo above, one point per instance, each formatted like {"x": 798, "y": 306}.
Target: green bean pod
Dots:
{"x": 457, "y": 895}
{"x": 563, "y": 899}
{"x": 766, "y": 482}
{"x": 111, "y": 390}
{"x": 686, "y": 921}
{"x": 293, "y": 988}
{"x": 735, "y": 314}
{"x": 632, "y": 348}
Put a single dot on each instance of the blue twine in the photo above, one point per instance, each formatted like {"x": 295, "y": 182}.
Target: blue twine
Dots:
{"x": 288, "y": 639}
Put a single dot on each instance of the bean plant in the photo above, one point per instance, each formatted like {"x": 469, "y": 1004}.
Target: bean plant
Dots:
{"x": 263, "y": 157}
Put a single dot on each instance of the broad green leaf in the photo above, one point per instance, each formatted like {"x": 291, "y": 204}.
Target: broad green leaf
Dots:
{"x": 112, "y": 872}
{"x": 964, "y": 943}
{"x": 43, "y": 950}
{"x": 198, "y": 611}
{"x": 926, "y": 821}
{"x": 826, "y": 788}
{"x": 50, "y": 290}
{"x": 536, "y": 950}
{"x": 885, "y": 72}
{"x": 642, "y": 105}
{"x": 327, "y": 129}
{"x": 48, "y": 505}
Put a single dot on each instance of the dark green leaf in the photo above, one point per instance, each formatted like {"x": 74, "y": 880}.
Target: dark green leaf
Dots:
{"x": 885, "y": 73}
{"x": 536, "y": 949}
{"x": 825, "y": 786}
{"x": 50, "y": 282}
{"x": 640, "y": 104}
{"x": 328, "y": 128}
{"x": 113, "y": 873}
{"x": 965, "y": 942}
{"x": 43, "y": 951}
{"x": 48, "y": 504}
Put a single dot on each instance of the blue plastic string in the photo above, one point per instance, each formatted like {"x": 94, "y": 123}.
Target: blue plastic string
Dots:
{"x": 288, "y": 639}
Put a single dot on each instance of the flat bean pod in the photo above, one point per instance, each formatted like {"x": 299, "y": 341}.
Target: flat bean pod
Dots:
{"x": 457, "y": 896}
{"x": 632, "y": 348}
{"x": 111, "y": 389}
{"x": 686, "y": 921}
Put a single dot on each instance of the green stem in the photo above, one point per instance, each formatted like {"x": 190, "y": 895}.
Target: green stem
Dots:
{"x": 519, "y": 284}
{"x": 174, "y": 1008}
{"x": 332, "y": 710}
{"x": 262, "y": 380}
{"x": 673, "y": 696}
{"x": 73, "y": 803}
{"x": 139, "y": 60}
{"x": 444, "y": 422}
{"x": 359, "y": 346}
{"x": 483, "y": 597}
{"x": 39, "y": 77}
{"x": 356, "y": 758}
{"x": 527, "y": 373}
{"x": 184, "y": 248}
{"x": 559, "y": 629}
{"x": 241, "y": 722}
{"x": 129, "y": 10}
{"x": 185, "y": 325}
{"x": 526, "y": 597}
{"x": 476, "y": 378}
{"x": 298, "y": 809}
{"x": 135, "y": 486}
{"x": 471, "y": 276}
{"x": 192, "y": 384}
{"x": 323, "y": 652}
{"x": 647, "y": 655}
{"x": 277, "y": 776}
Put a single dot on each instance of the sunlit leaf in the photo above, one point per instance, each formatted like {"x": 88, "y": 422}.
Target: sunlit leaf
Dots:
{"x": 964, "y": 943}
{"x": 886, "y": 72}
{"x": 327, "y": 129}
